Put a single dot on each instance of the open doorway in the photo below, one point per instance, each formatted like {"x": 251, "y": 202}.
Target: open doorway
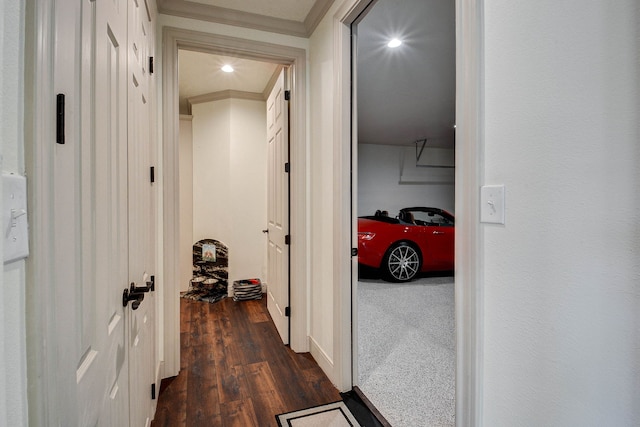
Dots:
{"x": 294, "y": 58}
{"x": 405, "y": 309}
{"x": 234, "y": 177}
{"x": 223, "y": 160}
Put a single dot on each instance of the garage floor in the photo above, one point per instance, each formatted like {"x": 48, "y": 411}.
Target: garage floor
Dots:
{"x": 407, "y": 349}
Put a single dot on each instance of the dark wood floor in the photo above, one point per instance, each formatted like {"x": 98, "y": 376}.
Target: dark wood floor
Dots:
{"x": 235, "y": 371}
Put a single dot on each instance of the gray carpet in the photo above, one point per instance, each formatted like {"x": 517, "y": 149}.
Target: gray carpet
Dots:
{"x": 407, "y": 350}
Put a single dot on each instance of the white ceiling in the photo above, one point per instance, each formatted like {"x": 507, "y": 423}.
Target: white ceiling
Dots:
{"x": 200, "y": 74}
{"x": 407, "y": 93}
{"x": 404, "y": 94}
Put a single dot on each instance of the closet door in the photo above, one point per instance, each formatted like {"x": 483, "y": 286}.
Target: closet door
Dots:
{"x": 100, "y": 166}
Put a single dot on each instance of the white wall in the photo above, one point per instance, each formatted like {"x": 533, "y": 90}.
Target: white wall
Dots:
{"x": 211, "y": 171}
{"x": 379, "y": 185}
{"x": 186, "y": 202}
{"x": 321, "y": 105}
{"x": 229, "y": 181}
{"x": 248, "y": 195}
{"x": 13, "y": 358}
{"x": 561, "y": 277}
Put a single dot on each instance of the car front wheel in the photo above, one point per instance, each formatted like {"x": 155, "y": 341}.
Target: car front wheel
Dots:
{"x": 401, "y": 263}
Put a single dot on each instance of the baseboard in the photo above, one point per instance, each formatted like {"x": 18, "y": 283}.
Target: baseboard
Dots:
{"x": 323, "y": 360}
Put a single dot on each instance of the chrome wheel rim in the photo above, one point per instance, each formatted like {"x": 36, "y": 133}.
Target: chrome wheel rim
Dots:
{"x": 403, "y": 263}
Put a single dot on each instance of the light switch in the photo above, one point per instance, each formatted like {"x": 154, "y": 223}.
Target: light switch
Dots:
{"x": 14, "y": 217}
{"x": 492, "y": 204}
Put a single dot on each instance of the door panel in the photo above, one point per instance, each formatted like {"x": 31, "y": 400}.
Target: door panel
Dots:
{"x": 102, "y": 374}
{"x": 278, "y": 207}
{"x": 102, "y": 214}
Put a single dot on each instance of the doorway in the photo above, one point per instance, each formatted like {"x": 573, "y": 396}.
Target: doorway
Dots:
{"x": 174, "y": 40}
{"x": 234, "y": 186}
{"x": 405, "y": 131}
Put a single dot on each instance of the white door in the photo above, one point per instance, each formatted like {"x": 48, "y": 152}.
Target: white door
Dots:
{"x": 140, "y": 321}
{"x": 102, "y": 350}
{"x": 102, "y": 376}
{"x": 278, "y": 207}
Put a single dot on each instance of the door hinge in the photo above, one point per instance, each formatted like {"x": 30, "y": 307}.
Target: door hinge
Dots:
{"x": 60, "y": 118}
{"x": 354, "y": 251}
{"x": 153, "y": 391}
{"x": 287, "y": 167}
{"x": 287, "y": 311}
{"x": 287, "y": 239}
{"x": 287, "y": 95}
{"x": 151, "y": 65}
{"x": 152, "y": 174}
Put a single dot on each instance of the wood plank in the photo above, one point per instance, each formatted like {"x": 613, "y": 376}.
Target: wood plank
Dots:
{"x": 232, "y": 384}
{"x": 202, "y": 393}
{"x": 255, "y": 312}
{"x": 266, "y": 406}
{"x": 260, "y": 378}
{"x": 172, "y": 412}
{"x": 235, "y": 371}
{"x": 239, "y": 414}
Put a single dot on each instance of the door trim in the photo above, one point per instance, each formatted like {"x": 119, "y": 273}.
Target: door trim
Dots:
{"x": 469, "y": 176}
{"x": 44, "y": 400}
{"x": 469, "y": 283}
{"x": 174, "y": 39}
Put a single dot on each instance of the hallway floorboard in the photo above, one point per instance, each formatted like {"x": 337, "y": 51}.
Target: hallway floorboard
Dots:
{"x": 235, "y": 371}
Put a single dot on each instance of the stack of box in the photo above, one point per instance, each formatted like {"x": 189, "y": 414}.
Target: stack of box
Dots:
{"x": 247, "y": 289}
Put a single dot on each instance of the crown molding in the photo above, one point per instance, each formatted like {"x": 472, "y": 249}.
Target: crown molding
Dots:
{"x": 315, "y": 15}
{"x": 226, "y": 94}
{"x": 204, "y": 12}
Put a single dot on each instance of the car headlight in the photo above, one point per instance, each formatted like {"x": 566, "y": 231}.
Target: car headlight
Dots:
{"x": 365, "y": 235}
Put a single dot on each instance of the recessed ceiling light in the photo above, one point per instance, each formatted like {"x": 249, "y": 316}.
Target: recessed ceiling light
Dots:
{"x": 394, "y": 43}
{"x": 227, "y": 69}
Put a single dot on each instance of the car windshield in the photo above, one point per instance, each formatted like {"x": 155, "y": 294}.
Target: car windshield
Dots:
{"x": 431, "y": 218}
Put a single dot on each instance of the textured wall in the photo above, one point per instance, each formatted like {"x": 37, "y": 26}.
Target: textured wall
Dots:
{"x": 562, "y": 302}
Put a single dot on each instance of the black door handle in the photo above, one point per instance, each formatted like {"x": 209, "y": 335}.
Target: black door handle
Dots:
{"x": 136, "y": 297}
{"x": 140, "y": 289}
{"x": 266, "y": 231}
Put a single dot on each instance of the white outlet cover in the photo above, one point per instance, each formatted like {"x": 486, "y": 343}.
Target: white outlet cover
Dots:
{"x": 492, "y": 204}
{"x": 14, "y": 217}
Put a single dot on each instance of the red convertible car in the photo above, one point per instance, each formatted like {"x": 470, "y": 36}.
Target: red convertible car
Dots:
{"x": 417, "y": 240}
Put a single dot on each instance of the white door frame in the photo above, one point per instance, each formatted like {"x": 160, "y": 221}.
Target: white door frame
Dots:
{"x": 469, "y": 177}
{"x": 174, "y": 39}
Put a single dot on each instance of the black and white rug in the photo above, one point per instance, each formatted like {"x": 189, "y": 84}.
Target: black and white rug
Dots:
{"x": 330, "y": 415}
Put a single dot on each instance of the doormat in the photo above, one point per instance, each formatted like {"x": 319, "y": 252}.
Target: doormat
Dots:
{"x": 330, "y": 415}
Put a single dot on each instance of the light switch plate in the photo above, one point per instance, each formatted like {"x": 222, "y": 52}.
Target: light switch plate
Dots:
{"x": 14, "y": 217}
{"x": 492, "y": 204}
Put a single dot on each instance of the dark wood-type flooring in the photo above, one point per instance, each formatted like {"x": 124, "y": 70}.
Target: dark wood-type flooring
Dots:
{"x": 235, "y": 371}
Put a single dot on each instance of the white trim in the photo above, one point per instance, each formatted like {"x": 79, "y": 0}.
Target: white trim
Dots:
{"x": 206, "y": 12}
{"x": 315, "y": 15}
{"x": 342, "y": 200}
{"x": 320, "y": 356}
{"x": 42, "y": 362}
{"x": 295, "y": 58}
{"x": 224, "y": 94}
{"x": 469, "y": 160}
